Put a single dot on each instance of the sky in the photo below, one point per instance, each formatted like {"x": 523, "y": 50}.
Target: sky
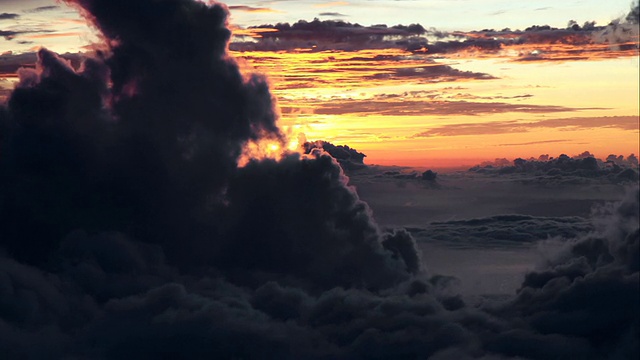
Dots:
{"x": 150, "y": 208}
{"x": 417, "y": 99}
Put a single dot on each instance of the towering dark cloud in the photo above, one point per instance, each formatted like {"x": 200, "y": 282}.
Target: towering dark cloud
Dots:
{"x": 129, "y": 231}
{"x": 144, "y": 140}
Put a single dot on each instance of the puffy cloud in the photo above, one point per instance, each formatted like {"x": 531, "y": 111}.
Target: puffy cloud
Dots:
{"x": 324, "y": 235}
{"x": 589, "y": 290}
{"x": 579, "y": 168}
{"x": 348, "y": 158}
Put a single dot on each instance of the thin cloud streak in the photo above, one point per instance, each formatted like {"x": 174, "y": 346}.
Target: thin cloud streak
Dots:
{"x": 253, "y": 9}
{"x": 535, "y": 142}
{"x": 8, "y": 16}
{"x": 628, "y": 123}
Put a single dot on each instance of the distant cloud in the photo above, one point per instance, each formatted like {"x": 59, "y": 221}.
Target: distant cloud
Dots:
{"x": 502, "y": 230}
{"x": 535, "y": 43}
{"x": 535, "y": 142}
{"x": 334, "y": 35}
{"x": 8, "y": 16}
{"x": 408, "y": 107}
{"x": 564, "y": 169}
{"x": 499, "y": 12}
{"x": 42, "y": 8}
{"x": 332, "y": 14}
{"x": 8, "y": 34}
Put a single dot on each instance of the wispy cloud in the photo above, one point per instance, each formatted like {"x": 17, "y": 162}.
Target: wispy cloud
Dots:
{"x": 535, "y": 142}
{"x": 332, "y": 14}
{"x": 399, "y": 106}
{"x": 514, "y": 126}
{"x": 253, "y": 9}
{"x": 42, "y": 8}
{"x": 331, "y": 4}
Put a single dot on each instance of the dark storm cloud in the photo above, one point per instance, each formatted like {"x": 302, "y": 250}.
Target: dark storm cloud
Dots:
{"x": 130, "y": 232}
{"x": 629, "y": 123}
{"x": 8, "y": 16}
{"x": 167, "y": 133}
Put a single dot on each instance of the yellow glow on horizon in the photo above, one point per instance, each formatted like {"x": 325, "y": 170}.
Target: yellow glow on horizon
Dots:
{"x": 356, "y": 98}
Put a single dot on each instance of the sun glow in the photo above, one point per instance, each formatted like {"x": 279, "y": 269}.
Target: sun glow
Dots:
{"x": 267, "y": 148}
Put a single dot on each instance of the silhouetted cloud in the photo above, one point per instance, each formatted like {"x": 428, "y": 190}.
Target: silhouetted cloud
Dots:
{"x": 10, "y": 63}
{"x": 565, "y": 169}
{"x": 348, "y": 158}
{"x": 42, "y": 8}
{"x": 332, "y": 34}
{"x": 8, "y": 16}
{"x": 535, "y": 43}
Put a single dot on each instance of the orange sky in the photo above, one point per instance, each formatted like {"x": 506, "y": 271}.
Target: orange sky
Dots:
{"x": 527, "y": 108}
{"x": 416, "y": 99}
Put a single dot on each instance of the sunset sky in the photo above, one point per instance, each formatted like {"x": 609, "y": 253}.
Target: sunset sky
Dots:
{"x": 447, "y": 94}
